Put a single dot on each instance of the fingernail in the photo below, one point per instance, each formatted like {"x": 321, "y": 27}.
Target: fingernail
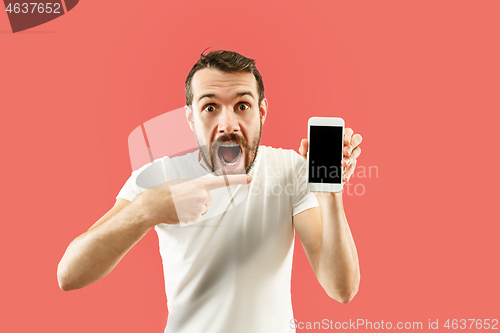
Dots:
{"x": 249, "y": 179}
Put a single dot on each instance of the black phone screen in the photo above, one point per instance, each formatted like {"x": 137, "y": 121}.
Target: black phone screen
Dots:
{"x": 325, "y": 154}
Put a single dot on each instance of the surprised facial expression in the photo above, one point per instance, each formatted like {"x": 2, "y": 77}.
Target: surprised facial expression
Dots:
{"x": 227, "y": 119}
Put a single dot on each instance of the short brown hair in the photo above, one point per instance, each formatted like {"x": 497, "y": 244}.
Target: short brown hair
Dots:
{"x": 225, "y": 61}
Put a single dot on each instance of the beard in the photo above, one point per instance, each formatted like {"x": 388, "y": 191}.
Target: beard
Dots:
{"x": 210, "y": 152}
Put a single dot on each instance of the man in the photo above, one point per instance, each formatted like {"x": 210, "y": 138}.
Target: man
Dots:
{"x": 226, "y": 258}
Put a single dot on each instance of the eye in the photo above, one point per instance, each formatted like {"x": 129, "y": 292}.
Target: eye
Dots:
{"x": 243, "y": 106}
{"x": 209, "y": 108}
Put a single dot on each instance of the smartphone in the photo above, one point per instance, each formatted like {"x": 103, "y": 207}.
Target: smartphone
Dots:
{"x": 325, "y": 153}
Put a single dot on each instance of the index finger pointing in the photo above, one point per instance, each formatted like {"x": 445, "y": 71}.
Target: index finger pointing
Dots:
{"x": 223, "y": 181}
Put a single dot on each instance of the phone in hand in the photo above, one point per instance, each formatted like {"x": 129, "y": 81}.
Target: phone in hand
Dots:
{"x": 325, "y": 153}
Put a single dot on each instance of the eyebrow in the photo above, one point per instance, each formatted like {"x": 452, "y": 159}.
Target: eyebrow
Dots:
{"x": 240, "y": 94}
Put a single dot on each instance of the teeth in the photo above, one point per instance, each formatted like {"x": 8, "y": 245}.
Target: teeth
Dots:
{"x": 229, "y": 164}
{"x": 229, "y": 144}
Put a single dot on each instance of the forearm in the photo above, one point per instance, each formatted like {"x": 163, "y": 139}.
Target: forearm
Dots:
{"x": 92, "y": 255}
{"x": 338, "y": 260}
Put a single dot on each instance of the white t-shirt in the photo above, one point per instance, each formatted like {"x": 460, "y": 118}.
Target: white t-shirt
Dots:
{"x": 230, "y": 271}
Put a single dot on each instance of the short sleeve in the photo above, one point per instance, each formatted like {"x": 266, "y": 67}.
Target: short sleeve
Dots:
{"x": 303, "y": 198}
{"x": 146, "y": 177}
{"x": 130, "y": 190}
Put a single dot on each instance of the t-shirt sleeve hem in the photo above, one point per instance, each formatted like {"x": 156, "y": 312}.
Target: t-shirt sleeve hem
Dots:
{"x": 309, "y": 202}
{"x": 126, "y": 196}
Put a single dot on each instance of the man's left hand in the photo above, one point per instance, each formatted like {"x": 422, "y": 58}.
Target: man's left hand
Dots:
{"x": 351, "y": 152}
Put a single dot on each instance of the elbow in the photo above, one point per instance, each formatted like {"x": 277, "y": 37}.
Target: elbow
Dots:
{"x": 343, "y": 294}
{"x": 63, "y": 283}
{"x": 63, "y": 286}
{"x": 63, "y": 280}
{"x": 343, "y": 297}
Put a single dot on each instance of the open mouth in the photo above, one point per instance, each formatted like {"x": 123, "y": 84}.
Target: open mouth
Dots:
{"x": 229, "y": 153}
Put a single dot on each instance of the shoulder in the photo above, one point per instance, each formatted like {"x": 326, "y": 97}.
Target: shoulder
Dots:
{"x": 155, "y": 173}
{"x": 272, "y": 150}
{"x": 160, "y": 168}
{"x": 166, "y": 161}
{"x": 183, "y": 159}
{"x": 287, "y": 160}
{"x": 151, "y": 174}
{"x": 280, "y": 154}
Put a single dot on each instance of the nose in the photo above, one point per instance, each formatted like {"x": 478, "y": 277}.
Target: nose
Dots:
{"x": 228, "y": 122}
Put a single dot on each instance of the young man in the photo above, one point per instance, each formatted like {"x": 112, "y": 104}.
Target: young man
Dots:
{"x": 227, "y": 258}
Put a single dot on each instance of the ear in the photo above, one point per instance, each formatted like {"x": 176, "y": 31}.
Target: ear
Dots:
{"x": 189, "y": 117}
{"x": 263, "y": 109}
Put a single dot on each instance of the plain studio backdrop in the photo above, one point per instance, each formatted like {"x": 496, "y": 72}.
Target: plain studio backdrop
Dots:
{"x": 418, "y": 80}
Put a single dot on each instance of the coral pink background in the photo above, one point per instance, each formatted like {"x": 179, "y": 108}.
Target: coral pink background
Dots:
{"x": 419, "y": 81}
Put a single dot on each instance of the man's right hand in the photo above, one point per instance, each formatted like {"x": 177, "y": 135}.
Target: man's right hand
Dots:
{"x": 93, "y": 254}
{"x": 183, "y": 201}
